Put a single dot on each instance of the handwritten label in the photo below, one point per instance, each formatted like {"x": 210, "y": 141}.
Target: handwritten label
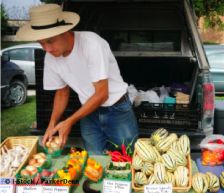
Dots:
{"x": 55, "y": 189}
{"x": 28, "y": 189}
{"x": 115, "y": 186}
{"x": 158, "y": 188}
{"x": 7, "y": 185}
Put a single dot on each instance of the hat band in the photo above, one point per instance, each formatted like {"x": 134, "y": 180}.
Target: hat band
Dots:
{"x": 58, "y": 23}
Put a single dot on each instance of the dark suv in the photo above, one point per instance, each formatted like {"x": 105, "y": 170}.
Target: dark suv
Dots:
{"x": 155, "y": 43}
{"x": 13, "y": 83}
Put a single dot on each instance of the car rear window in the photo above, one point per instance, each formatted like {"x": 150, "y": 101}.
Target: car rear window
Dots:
{"x": 166, "y": 41}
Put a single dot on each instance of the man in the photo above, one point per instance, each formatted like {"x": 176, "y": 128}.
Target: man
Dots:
{"x": 83, "y": 62}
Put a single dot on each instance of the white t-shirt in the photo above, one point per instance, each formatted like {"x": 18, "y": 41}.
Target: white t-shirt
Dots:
{"x": 91, "y": 60}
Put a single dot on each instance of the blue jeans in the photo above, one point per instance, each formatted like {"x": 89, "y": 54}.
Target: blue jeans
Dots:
{"x": 115, "y": 123}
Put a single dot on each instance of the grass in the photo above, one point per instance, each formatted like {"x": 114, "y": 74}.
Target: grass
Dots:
{"x": 17, "y": 121}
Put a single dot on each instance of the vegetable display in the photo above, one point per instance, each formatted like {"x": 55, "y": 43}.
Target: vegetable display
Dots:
{"x": 39, "y": 160}
{"x": 53, "y": 146}
{"x": 11, "y": 159}
{"x": 162, "y": 158}
{"x": 74, "y": 166}
{"x": 93, "y": 170}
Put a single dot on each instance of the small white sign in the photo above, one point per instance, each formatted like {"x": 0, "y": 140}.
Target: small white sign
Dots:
{"x": 28, "y": 189}
{"x": 55, "y": 189}
{"x": 158, "y": 188}
{"x": 6, "y": 188}
{"x": 7, "y": 185}
{"x": 115, "y": 186}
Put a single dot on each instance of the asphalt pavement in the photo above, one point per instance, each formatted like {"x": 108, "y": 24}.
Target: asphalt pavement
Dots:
{"x": 31, "y": 92}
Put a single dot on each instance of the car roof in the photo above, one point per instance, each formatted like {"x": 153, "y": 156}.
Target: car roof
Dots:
{"x": 211, "y": 49}
{"x": 28, "y": 45}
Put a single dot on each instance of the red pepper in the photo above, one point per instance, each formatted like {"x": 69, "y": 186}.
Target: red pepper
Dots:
{"x": 127, "y": 158}
{"x": 116, "y": 157}
{"x": 116, "y": 153}
{"x": 123, "y": 148}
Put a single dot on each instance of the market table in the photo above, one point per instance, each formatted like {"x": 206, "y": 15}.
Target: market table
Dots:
{"x": 61, "y": 161}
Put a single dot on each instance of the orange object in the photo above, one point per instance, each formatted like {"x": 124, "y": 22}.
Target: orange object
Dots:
{"x": 72, "y": 172}
{"x": 84, "y": 153}
{"x": 93, "y": 170}
{"x": 91, "y": 161}
{"x": 212, "y": 158}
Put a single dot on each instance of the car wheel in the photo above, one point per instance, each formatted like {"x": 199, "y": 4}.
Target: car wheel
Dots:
{"x": 17, "y": 93}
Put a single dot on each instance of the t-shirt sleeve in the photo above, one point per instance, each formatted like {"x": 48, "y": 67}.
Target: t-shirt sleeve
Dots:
{"x": 51, "y": 80}
{"x": 98, "y": 60}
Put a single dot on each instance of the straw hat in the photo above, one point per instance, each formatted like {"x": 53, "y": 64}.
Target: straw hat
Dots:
{"x": 46, "y": 21}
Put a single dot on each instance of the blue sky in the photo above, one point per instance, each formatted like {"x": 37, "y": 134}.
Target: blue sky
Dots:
{"x": 18, "y": 9}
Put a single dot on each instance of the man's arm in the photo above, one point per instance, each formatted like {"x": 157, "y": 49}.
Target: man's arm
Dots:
{"x": 96, "y": 100}
{"x": 61, "y": 99}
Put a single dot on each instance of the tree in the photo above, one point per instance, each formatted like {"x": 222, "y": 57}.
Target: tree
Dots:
{"x": 212, "y": 10}
{"x": 4, "y": 19}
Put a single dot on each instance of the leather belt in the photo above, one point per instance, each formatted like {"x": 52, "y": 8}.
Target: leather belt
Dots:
{"x": 122, "y": 99}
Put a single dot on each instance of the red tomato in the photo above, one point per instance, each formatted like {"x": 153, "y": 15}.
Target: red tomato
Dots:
{"x": 219, "y": 141}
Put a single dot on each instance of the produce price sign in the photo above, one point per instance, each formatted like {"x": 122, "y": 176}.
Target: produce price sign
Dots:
{"x": 115, "y": 186}
{"x": 158, "y": 188}
{"x": 7, "y": 185}
{"x": 28, "y": 189}
{"x": 55, "y": 189}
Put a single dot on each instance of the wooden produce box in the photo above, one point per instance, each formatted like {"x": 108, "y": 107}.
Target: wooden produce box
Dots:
{"x": 30, "y": 142}
{"x": 175, "y": 189}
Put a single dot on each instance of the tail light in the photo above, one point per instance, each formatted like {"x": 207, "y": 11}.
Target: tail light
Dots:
{"x": 208, "y": 95}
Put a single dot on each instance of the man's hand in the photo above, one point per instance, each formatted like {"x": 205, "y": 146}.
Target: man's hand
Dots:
{"x": 63, "y": 129}
{"x": 48, "y": 134}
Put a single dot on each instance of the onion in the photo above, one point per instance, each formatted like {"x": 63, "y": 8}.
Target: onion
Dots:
{"x": 48, "y": 144}
{"x": 31, "y": 168}
{"x": 54, "y": 145}
{"x": 57, "y": 140}
{"x": 32, "y": 173}
{"x": 45, "y": 173}
{"x": 25, "y": 173}
{"x": 50, "y": 150}
{"x": 41, "y": 160}
{"x": 37, "y": 165}
{"x": 32, "y": 162}
{"x": 37, "y": 156}
{"x": 43, "y": 155}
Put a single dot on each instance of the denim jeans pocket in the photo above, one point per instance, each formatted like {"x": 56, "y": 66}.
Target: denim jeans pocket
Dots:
{"x": 124, "y": 106}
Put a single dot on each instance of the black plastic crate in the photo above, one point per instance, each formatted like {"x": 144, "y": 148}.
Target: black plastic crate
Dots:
{"x": 180, "y": 116}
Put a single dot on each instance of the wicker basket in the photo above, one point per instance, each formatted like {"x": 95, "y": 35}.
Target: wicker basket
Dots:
{"x": 175, "y": 189}
{"x": 30, "y": 142}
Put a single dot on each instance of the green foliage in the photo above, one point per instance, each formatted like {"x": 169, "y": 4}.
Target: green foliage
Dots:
{"x": 16, "y": 121}
{"x": 4, "y": 18}
{"x": 212, "y": 10}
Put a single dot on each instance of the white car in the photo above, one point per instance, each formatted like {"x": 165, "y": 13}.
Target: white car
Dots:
{"x": 23, "y": 56}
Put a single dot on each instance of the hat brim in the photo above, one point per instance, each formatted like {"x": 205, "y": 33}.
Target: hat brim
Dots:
{"x": 26, "y": 33}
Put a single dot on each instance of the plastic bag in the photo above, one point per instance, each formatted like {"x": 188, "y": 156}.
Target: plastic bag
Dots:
{"x": 212, "y": 150}
{"x": 152, "y": 96}
{"x": 132, "y": 93}
{"x": 213, "y": 142}
{"x": 164, "y": 92}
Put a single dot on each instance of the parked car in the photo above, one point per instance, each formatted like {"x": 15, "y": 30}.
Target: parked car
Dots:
{"x": 155, "y": 43}
{"x": 215, "y": 55}
{"x": 13, "y": 83}
{"x": 23, "y": 56}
